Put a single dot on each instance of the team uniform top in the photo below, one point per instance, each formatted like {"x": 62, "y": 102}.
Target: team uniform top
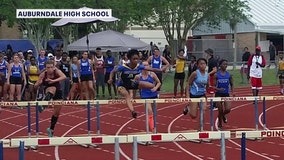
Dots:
{"x": 256, "y": 71}
{"x": 64, "y": 67}
{"x": 281, "y": 66}
{"x": 32, "y": 74}
{"x": 223, "y": 81}
{"x": 85, "y": 67}
{"x": 41, "y": 62}
{"x": 156, "y": 62}
{"x": 109, "y": 60}
{"x": 198, "y": 87}
{"x": 56, "y": 84}
{"x": 127, "y": 75}
{"x": 147, "y": 93}
{"x": 74, "y": 70}
{"x": 100, "y": 64}
{"x": 180, "y": 65}
{"x": 16, "y": 71}
{"x": 3, "y": 68}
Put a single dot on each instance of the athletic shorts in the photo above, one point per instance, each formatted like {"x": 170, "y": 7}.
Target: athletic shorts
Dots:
{"x": 256, "y": 83}
{"x": 133, "y": 85}
{"x": 217, "y": 94}
{"x": 87, "y": 77}
{"x": 16, "y": 80}
{"x": 160, "y": 77}
{"x": 196, "y": 96}
{"x": 179, "y": 75}
{"x": 75, "y": 80}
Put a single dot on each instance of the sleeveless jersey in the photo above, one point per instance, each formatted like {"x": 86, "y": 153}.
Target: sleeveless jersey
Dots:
{"x": 180, "y": 65}
{"x": 3, "y": 68}
{"x": 85, "y": 67}
{"x": 56, "y": 84}
{"x": 74, "y": 70}
{"x": 147, "y": 93}
{"x": 156, "y": 62}
{"x": 64, "y": 67}
{"x": 281, "y": 64}
{"x": 100, "y": 64}
{"x": 127, "y": 74}
{"x": 16, "y": 71}
{"x": 109, "y": 60}
{"x": 223, "y": 81}
{"x": 199, "y": 84}
{"x": 33, "y": 70}
{"x": 41, "y": 62}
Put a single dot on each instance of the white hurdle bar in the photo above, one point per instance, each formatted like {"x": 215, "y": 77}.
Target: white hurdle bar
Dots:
{"x": 110, "y": 139}
{"x": 260, "y": 134}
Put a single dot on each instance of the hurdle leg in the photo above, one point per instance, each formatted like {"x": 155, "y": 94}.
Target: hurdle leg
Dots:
{"x": 1, "y": 151}
{"x": 135, "y": 149}
{"x": 202, "y": 121}
{"x": 22, "y": 151}
{"x": 116, "y": 148}
{"x": 147, "y": 123}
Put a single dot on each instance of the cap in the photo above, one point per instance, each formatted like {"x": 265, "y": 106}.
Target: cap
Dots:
{"x": 209, "y": 51}
{"x": 50, "y": 55}
{"x": 98, "y": 48}
{"x": 108, "y": 51}
{"x": 258, "y": 48}
{"x": 29, "y": 51}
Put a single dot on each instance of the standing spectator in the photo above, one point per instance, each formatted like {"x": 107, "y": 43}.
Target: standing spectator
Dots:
{"x": 156, "y": 60}
{"x": 9, "y": 53}
{"x": 179, "y": 73}
{"x": 65, "y": 68}
{"x": 3, "y": 76}
{"x": 212, "y": 69}
{"x": 244, "y": 68}
{"x": 255, "y": 64}
{"x": 280, "y": 72}
{"x": 16, "y": 75}
{"x": 99, "y": 61}
{"x": 75, "y": 88}
{"x": 272, "y": 53}
{"x": 33, "y": 73}
{"x": 41, "y": 59}
{"x": 109, "y": 65}
{"x": 167, "y": 55}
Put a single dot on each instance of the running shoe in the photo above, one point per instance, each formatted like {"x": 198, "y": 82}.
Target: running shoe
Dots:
{"x": 185, "y": 110}
{"x": 225, "y": 120}
{"x": 49, "y": 132}
{"x": 134, "y": 114}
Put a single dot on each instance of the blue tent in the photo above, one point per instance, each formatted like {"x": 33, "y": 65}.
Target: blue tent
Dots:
{"x": 17, "y": 45}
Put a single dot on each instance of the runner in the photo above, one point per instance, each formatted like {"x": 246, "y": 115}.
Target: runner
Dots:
{"x": 51, "y": 78}
{"x": 196, "y": 87}
{"x": 150, "y": 77}
{"x": 127, "y": 82}
{"x": 224, "y": 82}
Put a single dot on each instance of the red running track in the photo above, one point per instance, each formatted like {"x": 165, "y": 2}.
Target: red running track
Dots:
{"x": 115, "y": 119}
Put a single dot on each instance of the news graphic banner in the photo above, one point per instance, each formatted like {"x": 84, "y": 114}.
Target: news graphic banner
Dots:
{"x": 64, "y": 13}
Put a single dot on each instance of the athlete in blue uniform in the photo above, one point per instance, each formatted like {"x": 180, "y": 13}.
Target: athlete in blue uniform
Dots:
{"x": 196, "y": 86}
{"x": 126, "y": 82}
{"x": 150, "y": 77}
{"x": 86, "y": 77}
{"x": 224, "y": 82}
{"x": 109, "y": 66}
{"x": 3, "y": 77}
{"x": 16, "y": 77}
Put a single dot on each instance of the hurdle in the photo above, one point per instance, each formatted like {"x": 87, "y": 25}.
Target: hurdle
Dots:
{"x": 140, "y": 101}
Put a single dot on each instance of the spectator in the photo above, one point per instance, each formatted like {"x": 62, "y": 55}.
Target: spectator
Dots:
{"x": 244, "y": 68}
{"x": 280, "y": 72}
{"x": 255, "y": 64}
{"x": 179, "y": 73}
{"x": 272, "y": 53}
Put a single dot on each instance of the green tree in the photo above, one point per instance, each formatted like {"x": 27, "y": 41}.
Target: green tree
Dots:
{"x": 179, "y": 16}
